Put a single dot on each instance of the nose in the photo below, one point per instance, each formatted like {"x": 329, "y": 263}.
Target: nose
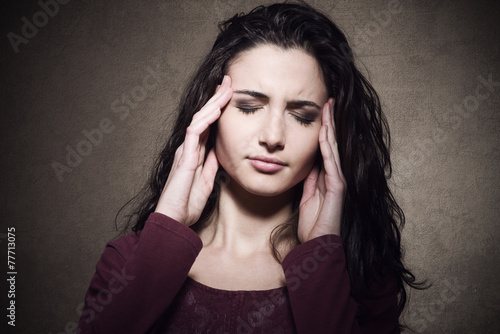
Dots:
{"x": 272, "y": 134}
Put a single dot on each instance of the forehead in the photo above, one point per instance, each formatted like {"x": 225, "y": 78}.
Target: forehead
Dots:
{"x": 277, "y": 72}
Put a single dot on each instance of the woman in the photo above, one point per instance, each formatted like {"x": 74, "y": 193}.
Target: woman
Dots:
{"x": 268, "y": 210}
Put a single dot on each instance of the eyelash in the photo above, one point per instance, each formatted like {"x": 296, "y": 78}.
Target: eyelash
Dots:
{"x": 248, "y": 110}
{"x": 301, "y": 120}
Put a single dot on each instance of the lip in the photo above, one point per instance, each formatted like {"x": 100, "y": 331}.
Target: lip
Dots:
{"x": 266, "y": 164}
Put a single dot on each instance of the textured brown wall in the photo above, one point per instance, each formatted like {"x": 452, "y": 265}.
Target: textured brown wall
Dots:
{"x": 427, "y": 59}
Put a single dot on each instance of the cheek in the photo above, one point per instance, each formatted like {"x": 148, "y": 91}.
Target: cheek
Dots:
{"x": 306, "y": 150}
{"x": 305, "y": 154}
{"x": 227, "y": 139}
{"x": 223, "y": 132}
{"x": 221, "y": 142}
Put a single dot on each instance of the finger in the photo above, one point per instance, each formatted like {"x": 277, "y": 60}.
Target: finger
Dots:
{"x": 310, "y": 184}
{"x": 199, "y": 125}
{"x": 177, "y": 157}
{"x": 226, "y": 83}
{"x": 196, "y": 138}
{"x": 217, "y": 91}
{"x": 194, "y": 149}
{"x": 336, "y": 155}
{"x": 204, "y": 179}
{"x": 211, "y": 107}
{"x": 321, "y": 181}
{"x": 207, "y": 116}
{"x": 329, "y": 164}
{"x": 327, "y": 118}
{"x": 210, "y": 169}
{"x": 223, "y": 94}
{"x": 323, "y": 137}
{"x": 205, "y": 111}
{"x": 196, "y": 133}
{"x": 175, "y": 174}
{"x": 202, "y": 146}
{"x": 335, "y": 146}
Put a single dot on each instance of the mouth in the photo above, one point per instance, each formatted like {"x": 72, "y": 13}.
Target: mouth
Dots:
{"x": 266, "y": 164}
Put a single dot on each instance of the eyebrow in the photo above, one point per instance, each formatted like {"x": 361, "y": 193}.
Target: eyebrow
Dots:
{"x": 252, "y": 93}
{"x": 296, "y": 103}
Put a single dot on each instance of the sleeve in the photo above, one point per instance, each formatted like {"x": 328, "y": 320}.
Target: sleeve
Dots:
{"x": 319, "y": 291}
{"x": 137, "y": 277}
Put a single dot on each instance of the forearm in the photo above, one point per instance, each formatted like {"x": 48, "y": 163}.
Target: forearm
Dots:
{"x": 129, "y": 294}
{"x": 320, "y": 292}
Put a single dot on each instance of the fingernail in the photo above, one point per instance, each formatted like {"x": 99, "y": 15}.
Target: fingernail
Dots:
{"x": 224, "y": 80}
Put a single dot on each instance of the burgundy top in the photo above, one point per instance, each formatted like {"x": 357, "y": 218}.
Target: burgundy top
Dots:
{"x": 141, "y": 285}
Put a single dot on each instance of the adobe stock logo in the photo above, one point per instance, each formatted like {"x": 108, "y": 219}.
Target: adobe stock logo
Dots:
{"x": 50, "y": 8}
{"x": 420, "y": 318}
{"x": 120, "y": 110}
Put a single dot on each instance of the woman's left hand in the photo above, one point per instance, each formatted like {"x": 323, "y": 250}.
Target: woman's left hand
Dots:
{"x": 324, "y": 190}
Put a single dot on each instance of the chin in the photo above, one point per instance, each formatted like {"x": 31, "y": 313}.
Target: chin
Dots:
{"x": 266, "y": 187}
{"x": 266, "y": 192}
{"x": 264, "y": 184}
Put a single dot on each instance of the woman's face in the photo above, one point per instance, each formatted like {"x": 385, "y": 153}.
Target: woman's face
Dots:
{"x": 267, "y": 136}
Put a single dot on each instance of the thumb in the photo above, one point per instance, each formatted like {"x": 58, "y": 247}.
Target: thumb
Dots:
{"x": 210, "y": 167}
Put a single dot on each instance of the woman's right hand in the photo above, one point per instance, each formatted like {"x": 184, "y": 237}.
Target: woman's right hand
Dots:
{"x": 191, "y": 179}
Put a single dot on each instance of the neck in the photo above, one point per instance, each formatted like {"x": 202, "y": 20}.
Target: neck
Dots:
{"x": 245, "y": 221}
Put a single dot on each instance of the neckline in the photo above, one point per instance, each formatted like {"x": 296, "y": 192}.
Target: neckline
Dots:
{"x": 200, "y": 285}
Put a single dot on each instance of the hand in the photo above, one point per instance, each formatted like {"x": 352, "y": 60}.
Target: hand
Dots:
{"x": 191, "y": 179}
{"x": 322, "y": 200}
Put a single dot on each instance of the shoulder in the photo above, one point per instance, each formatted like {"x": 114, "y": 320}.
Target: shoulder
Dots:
{"x": 159, "y": 233}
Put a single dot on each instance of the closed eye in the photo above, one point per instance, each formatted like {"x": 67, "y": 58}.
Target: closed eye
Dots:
{"x": 248, "y": 110}
{"x": 304, "y": 120}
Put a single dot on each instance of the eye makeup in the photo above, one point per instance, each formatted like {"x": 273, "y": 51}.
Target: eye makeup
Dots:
{"x": 247, "y": 109}
{"x": 304, "y": 118}
{"x": 305, "y": 112}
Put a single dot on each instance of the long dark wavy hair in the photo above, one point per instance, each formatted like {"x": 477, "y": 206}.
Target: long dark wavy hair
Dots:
{"x": 371, "y": 219}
